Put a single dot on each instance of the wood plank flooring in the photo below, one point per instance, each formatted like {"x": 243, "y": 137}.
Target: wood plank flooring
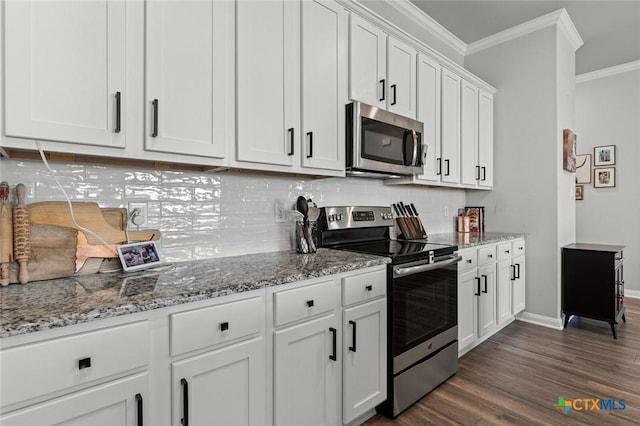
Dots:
{"x": 516, "y": 377}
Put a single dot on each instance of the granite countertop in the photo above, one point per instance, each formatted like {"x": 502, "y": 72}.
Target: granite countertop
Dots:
{"x": 57, "y": 303}
{"x": 472, "y": 239}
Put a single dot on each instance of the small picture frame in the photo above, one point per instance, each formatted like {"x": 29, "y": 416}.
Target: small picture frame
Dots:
{"x": 604, "y": 177}
{"x": 136, "y": 256}
{"x": 579, "y": 192}
{"x": 604, "y": 155}
{"x": 569, "y": 151}
{"x": 583, "y": 168}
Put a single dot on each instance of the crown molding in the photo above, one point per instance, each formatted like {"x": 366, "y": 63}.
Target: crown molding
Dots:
{"x": 417, "y": 15}
{"x": 559, "y": 17}
{"x": 608, "y": 72}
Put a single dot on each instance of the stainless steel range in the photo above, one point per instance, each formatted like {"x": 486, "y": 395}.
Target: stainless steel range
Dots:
{"x": 422, "y": 281}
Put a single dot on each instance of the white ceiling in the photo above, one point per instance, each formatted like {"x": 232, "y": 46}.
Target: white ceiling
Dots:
{"x": 610, "y": 29}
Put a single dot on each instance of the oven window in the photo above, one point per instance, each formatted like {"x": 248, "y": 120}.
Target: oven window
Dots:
{"x": 423, "y": 306}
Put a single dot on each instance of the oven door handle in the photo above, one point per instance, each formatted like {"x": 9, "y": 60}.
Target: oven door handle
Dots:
{"x": 401, "y": 272}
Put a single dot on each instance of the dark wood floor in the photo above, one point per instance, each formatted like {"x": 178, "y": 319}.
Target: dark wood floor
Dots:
{"x": 517, "y": 375}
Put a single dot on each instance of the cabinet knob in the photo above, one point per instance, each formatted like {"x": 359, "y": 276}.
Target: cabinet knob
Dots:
{"x": 224, "y": 326}
{"x": 369, "y": 287}
{"x": 469, "y": 261}
{"x": 490, "y": 256}
{"x": 310, "y": 303}
{"x": 84, "y": 363}
{"x": 507, "y": 251}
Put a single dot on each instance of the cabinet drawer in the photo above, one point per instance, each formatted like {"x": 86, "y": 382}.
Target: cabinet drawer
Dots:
{"x": 304, "y": 302}
{"x": 363, "y": 287}
{"x": 518, "y": 247}
{"x": 486, "y": 255}
{"x": 469, "y": 259}
{"x": 504, "y": 251}
{"x": 41, "y": 368}
{"x": 199, "y": 328}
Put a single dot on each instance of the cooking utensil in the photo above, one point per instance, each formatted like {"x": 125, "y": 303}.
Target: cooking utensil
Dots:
{"x": 422, "y": 230}
{"x": 21, "y": 235}
{"x": 6, "y": 233}
{"x": 88, "y": 215}
{"x": 302, "y": 206}
{"x": 401, "y": 221}
{"x": 53, "y": 253}
{"x": 413, "y": 231}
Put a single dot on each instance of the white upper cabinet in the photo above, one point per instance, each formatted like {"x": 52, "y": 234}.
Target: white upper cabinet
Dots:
{"x": 485, "y": 138}
{"x": 187, "y": 75}
{"x": 382, "y": 69}
{"x": 469, "y": 168}
{"x": 401, "y": 74}
{"x": 323, "y": 35}
{"x": 428, "y": 112}
{"x": 291, "y": 98}
{"x": 367, "y": 63}
{"x": 267, "y": 79}
{"x": 449, "y": 162}
{"x": 65, "y": 71}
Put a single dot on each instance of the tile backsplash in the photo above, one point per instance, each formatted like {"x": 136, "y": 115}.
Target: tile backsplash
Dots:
{"x": 204, "y": 215}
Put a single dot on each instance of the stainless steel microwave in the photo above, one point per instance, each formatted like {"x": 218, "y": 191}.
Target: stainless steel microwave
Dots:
{"x": 381, "y": 143}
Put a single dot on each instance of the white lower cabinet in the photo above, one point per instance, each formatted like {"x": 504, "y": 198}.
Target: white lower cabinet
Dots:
{"x": 305, "y": 353}
{"x": 306, "y": 373}
{"x": 490, "y": 291}
{"x": 227, "y": 382}
{"x": 117, "y": 403}
{"x": 364, "y": 358}
{"x": 91, "y": 376}
{"x": 329, "y": 371}
{"x": 227, "y": 385}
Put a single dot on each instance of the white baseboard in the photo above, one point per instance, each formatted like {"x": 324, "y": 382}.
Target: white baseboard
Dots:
{"x": 633, "y": 294}
{"x": 549, "y": 322}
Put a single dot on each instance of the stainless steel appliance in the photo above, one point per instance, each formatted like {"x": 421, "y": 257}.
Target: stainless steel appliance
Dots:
{"x": 422, "y": 279}
{"x": 381, "y": 143}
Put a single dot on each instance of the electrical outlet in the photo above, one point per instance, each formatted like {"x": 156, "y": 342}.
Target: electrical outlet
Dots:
{"x": 280, "y": 212}
{"x": 137, "y": 215}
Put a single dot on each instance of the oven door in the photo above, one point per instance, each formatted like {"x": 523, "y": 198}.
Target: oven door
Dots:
{"x": 424, "y": 314}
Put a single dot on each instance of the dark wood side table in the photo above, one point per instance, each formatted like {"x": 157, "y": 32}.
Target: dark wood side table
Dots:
{"x": 593, "y": 283}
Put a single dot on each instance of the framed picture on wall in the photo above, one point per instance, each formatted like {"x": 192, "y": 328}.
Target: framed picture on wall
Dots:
{"x": 579, "y": 192}
{"x": 569, "y": 151}
{"x": 604, "y": 178}
{"x": 583, "y": 168}
{"x": 604, "y": 155}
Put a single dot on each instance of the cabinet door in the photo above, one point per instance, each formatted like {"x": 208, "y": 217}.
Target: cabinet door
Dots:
{"x": 186, "y": 76}
{"x": 364, "y": 359}
{"x": 450, "y": 127}
{"x": 401, "y": 73}
{"x": 64, "y": 71}
{"x": 469, "y": 168}
{"x": 267, "y": 74}
{"x": 487, "y": 321}
{"x": 518, "y": 289}
{"x": 467, "y": 309}
{"x": 323, "y": 92}
{"x": 428, "y": 112}
{"x": 305, "y": 377}
{"x": 503, "y": 290}
{"x": 227, "y": 385}
{"x": 485, "y": 138}
{"x": 118, "y": 403}
{"x": 367, "y": 63}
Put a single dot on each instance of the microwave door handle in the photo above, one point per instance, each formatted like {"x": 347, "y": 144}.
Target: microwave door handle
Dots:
{"x": 414, "y": 161}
